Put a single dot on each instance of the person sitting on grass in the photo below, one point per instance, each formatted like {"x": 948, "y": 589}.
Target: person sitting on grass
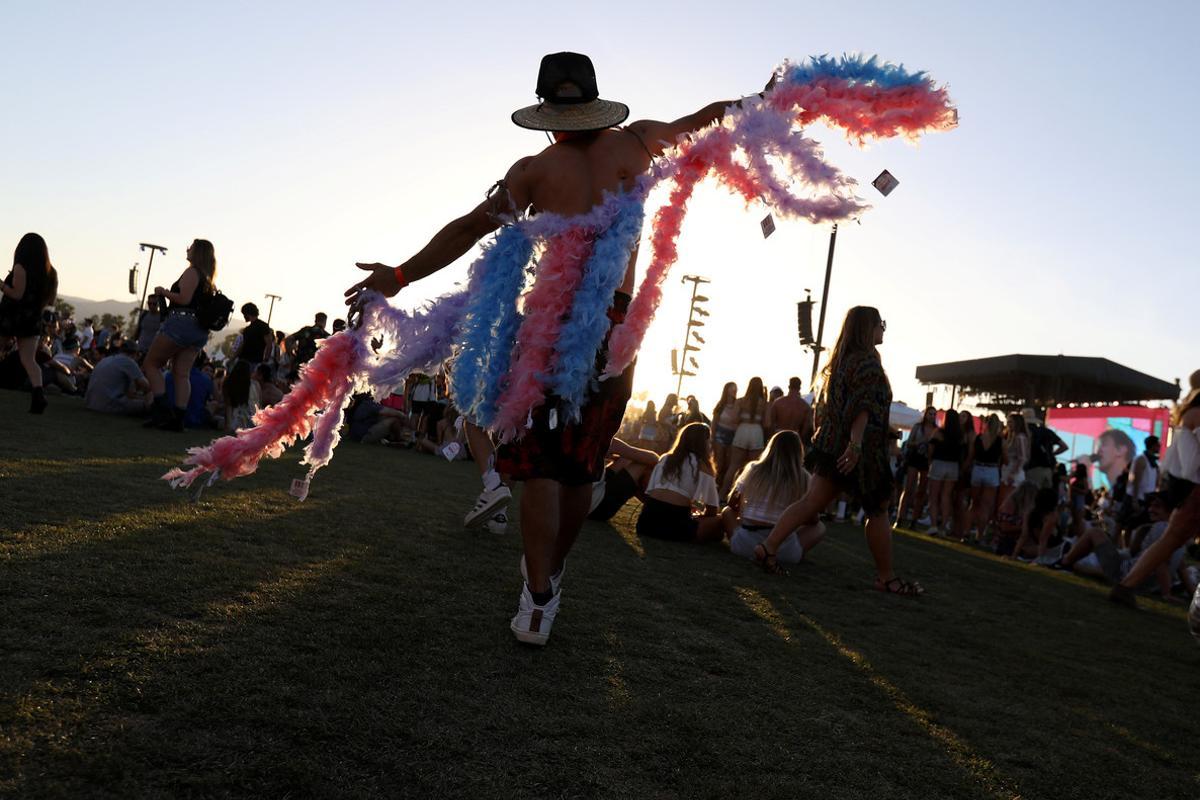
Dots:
{"x": 1181, "y": 469}
{"x": 683, "y": 475}
{"x": 241, "y": 397}
{"x": 117, "y": 385}
{"x": 268, "y": 392}
{"x": 1026, "y": 522}
{"x": 766, "y": 487}
{"x": 1095, "y": 553}
{"x": 1081, "y": 498}
{"x": 625, "y": 477}
{"x": 372, "y": 422}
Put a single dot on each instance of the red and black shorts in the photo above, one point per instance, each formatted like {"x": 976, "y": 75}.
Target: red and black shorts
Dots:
{"x": 573, "y": 453}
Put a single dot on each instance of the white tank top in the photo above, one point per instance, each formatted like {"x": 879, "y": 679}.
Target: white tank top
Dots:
{"x": 1149, "y": 480}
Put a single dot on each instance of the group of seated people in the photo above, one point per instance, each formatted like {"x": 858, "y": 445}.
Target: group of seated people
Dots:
{"x": 680, "y": 499}
{"x": 110, "y": 379}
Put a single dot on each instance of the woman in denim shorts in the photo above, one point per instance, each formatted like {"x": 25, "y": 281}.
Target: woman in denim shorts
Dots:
{"x": 985, "y": 474}
{"x": 947, "y": 455}
{"x": 181, "y": 337}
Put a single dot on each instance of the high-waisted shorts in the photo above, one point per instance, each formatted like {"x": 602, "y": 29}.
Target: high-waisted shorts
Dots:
{"x": 181, "y": 327}
{"x": 748, "y": 436}
{"x": 723, "y": 435}
{"x": 943, "y": 470}
{"x": 987, "y": 475}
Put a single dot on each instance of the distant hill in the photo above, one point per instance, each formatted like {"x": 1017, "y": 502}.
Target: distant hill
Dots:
{"x": 85, "y": 308}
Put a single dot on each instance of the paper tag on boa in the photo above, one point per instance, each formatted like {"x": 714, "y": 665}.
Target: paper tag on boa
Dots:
{"x": 451, "y": 451}
{"x": 299, "y": 489}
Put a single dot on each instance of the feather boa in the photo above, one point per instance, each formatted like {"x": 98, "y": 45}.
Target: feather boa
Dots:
{"x": 584, "y": 330}
{"x": 559, "y": 273}
{"x": 489, "y": 327}
{"x": 508, "y": 362}
{"x": 866, "y": 99}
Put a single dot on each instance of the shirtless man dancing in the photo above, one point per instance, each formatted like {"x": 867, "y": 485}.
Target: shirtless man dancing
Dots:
{"x": 556, "y": 462}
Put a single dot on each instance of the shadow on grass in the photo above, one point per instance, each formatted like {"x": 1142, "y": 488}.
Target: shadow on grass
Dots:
{"x": 125, "y": 695}
{"x": 79, "y": 590}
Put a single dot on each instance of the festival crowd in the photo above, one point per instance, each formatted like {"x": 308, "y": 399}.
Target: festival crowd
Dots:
{"x": 759, "y": 471}
{"x": 727, "y": 475}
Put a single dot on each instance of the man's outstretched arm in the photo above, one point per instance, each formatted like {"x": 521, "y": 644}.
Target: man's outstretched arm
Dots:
{"x": 450, "y": 243}
{"x": 660, "y": 136}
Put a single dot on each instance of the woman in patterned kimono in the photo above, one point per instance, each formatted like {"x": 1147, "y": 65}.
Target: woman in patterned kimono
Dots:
{"x": 849, "y": 450}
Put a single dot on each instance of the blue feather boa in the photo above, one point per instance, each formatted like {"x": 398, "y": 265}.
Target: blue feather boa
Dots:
{"x": 853, "y": 68}
{"x": 583, "y": 332}
{"x": 488, "y": 330}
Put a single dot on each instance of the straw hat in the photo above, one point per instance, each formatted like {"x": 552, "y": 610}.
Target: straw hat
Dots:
{"x": 570, "y": 101}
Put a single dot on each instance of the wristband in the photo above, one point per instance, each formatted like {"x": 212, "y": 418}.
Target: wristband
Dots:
{"x": 856, "y": 447}
{"x": 400, "y": 279}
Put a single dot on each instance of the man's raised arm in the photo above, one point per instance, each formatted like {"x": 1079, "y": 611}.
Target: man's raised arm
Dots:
{"x": 660, "y": 136}
{"x": 451, "y": 242}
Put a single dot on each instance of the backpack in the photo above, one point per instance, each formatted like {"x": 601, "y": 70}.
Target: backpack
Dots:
{"x": 213, "y": 310}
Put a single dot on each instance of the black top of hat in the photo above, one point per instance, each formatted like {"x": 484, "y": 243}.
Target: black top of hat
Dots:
{"x": 567, "y": 78}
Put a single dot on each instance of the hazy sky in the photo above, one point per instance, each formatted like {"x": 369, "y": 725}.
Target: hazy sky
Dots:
{"x": 303, "y": 137}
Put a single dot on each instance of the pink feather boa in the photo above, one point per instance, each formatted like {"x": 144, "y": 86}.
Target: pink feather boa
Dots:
{"x": 559, "y": 272}
{"x": 324, "y": 386}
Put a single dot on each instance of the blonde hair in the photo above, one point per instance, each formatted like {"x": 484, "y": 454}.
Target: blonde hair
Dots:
{"x": 777, "y": 476}
{"x": 204, "y": 259}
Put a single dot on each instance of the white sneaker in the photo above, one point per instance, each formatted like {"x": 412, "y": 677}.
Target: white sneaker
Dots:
{"x": 488, "y": 502}
{"x": 532, "y": 623}
{"x": 497, "y": 523}
{"x": 925, "y": 520}
{"x": 555, "y": 579}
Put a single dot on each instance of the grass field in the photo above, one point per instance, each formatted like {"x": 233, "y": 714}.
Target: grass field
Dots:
{"x": 357, "y": 645}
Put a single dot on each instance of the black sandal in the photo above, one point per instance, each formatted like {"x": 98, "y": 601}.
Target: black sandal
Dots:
{"x": 900, "y": 587}
{"x": 767, "y": 560}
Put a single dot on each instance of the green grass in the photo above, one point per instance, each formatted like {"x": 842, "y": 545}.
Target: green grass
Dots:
{"x": 357, "y": 645}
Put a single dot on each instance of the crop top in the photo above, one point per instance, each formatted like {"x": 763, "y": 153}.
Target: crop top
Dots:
{"x": 759, "y": 509}
{"x": 691, "y": 482}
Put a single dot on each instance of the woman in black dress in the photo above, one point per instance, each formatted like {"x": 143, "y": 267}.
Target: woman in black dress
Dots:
{"x": 29, "y": 289}
{"x": 849, "y": 450}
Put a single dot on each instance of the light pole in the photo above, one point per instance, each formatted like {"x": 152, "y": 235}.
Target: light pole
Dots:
{"x": 681, "y": 366}
{"x": 150, "y": 266}
{"x": 824, "y": 303}
{"x": 273, "y": 297}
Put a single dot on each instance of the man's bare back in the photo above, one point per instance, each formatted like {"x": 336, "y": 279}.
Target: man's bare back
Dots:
{"x": 569, "y": 177}
{"x": 791, "y": 413}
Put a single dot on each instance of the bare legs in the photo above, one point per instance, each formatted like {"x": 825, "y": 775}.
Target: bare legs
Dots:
{"x": 983, "y": 500}
{"x": 912, "y": 499}
{"x": 181, "y": 374}
{"x": 738, "y": 456}
{"x": 940, "y": 493}
{"x": 1182, "y": 526}
{"x": 804, "y": 512}
{"x": 161, "y": 351}
{"x": 721, "y": 456}
{"x": 27, "y": 351}
{"x": 551, "y": 516}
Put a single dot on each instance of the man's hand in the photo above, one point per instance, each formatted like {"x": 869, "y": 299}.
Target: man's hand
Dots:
{"x": 382, "y": 280}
